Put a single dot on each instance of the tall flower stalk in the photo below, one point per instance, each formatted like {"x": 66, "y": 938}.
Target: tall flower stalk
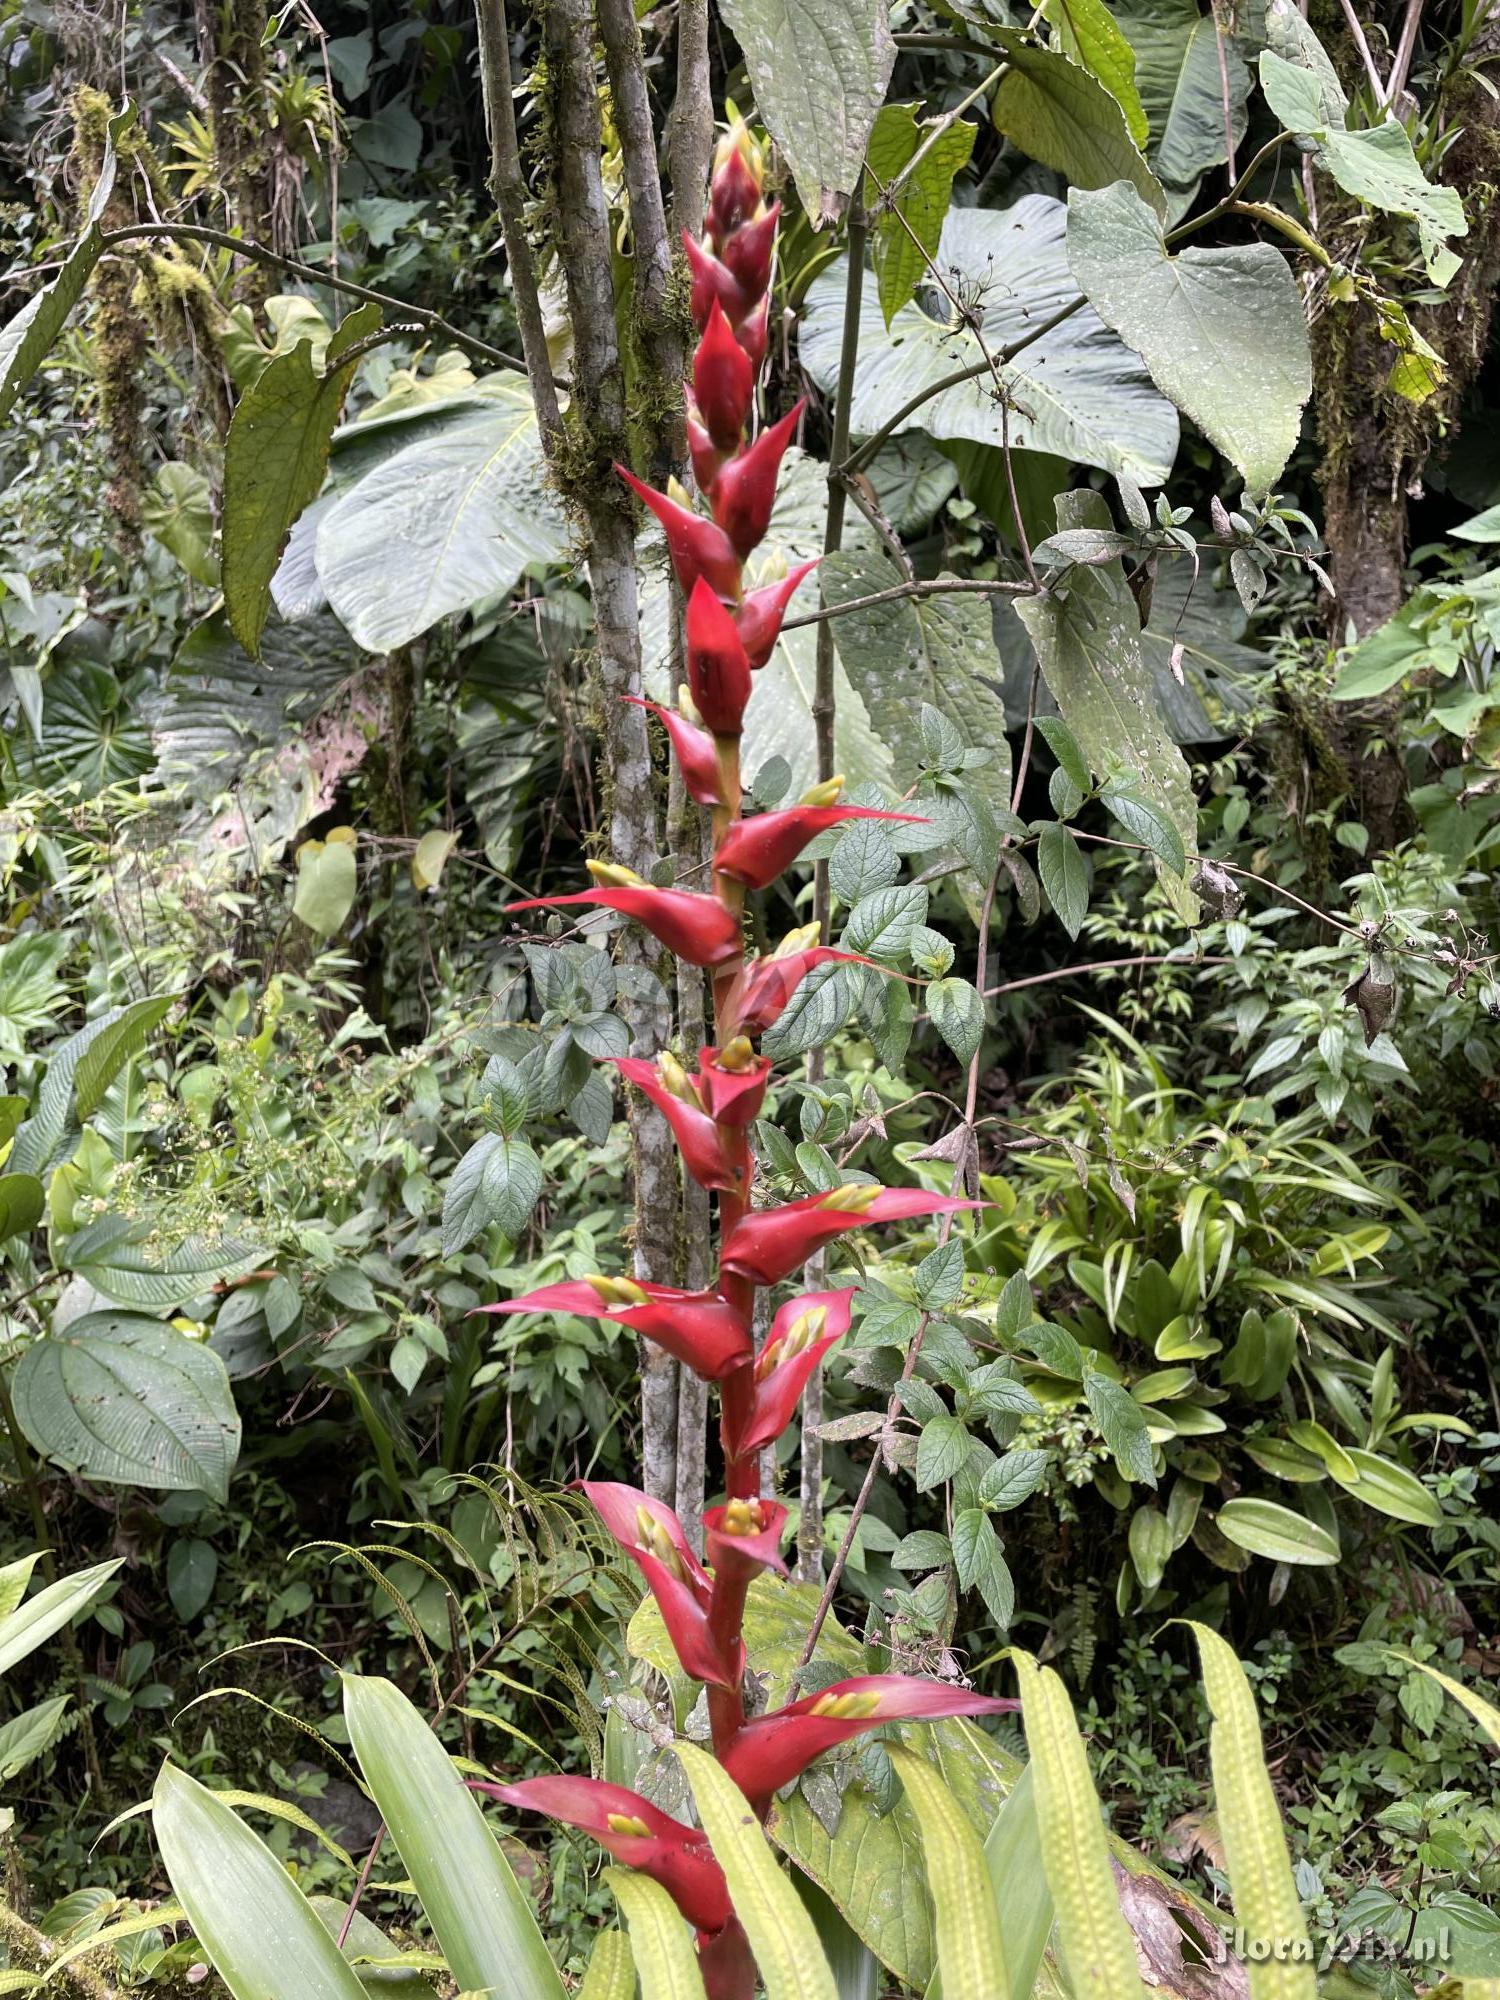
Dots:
{"x": 730, "y": 633}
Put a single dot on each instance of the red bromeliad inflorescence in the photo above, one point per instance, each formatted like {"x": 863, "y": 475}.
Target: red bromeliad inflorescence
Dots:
{"x": 729, "y": 635}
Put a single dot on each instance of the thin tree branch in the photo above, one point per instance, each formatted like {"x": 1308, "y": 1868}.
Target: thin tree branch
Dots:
{"x": 935, "y": 131}
{"x": 937, "y": 586}
{"x": 1357, "y": 36}
{"x": 1405, "y": 50}
{"x": 1099, "y": 965}
{"x": 244, "y": 246}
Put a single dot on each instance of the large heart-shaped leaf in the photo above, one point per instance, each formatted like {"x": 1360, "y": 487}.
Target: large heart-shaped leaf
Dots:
{"x": 130, "y": 1402}
{"x": 1222, "y": 331}
{"x": 444, "y": 523}
{"x": 1077, "y": 391}
{"x": 819, "y": 69}
{"x": 1182, "y": 89}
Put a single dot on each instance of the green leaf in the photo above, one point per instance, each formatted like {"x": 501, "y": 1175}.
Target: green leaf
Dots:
{"x": 1088, "y": 643}
{"x": 478, "y": 1911}
{"x": 1147, "y": 823}
{"x": 177, "y": 510}
{"x": 942, "y": 1451}
{"x": 1266, "y": 1528}
{"x": 1122, "y": 1425}
{"x": 32, "y": 1624}
{"x": 275, "y": 458}
{"x": 611, "y": 1973}
{"x": 1012, "y": 1479}
{"x": 660, "y": 1945}
{"x": 783, "y": 1937}
{"x": 119, "y": 1257}
{"x": 1061, "y": 741}
{"x": 27, "y": 1735}
{"x": 1095, "y": 1940}
{"x": 1484, "y": 1712}
{"x": 445, "y": 522}
{"x": 921, "y": 204}
{"x": 1222, "y": 331}
{"x": 884, "y": 924}
{"x": 498, "y": 1181}
{"x": 26, "y": 340}
{"x": 252, "y": 1920}
{"x": 1388, "y": 1488}
{"x": 1063, "y": 116}
{"x": 327, "y": 882}
{"x": 131, "y": 1402}
{"x": 1078, "y": 392}
{"x": 1265, "y": 1896}
{"x": 23, "y": 1203}
{"x": 373, "y": 1955}
{"x": 38, "y": 1140}
{"x": 1388, "y": 654}
{"x": 1151, "y": 1545}
{"x": 958, "y": 1015}
{"x": 970, "y": 1949}
{"x": 1182, "y": 90}
{"x": 1065, "y": 875}
{"x": 192, "y": 1571}
{"x": 819, "y": 70}
{"x": 120, "y": 1037}
{"x": 1089, "y": 34}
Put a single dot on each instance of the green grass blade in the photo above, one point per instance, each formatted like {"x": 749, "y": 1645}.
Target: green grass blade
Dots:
{"x": 659, "y": 1941}
{"x": 611, "y": 1973}
{"x": 782, "y": 1934}
{"x": 1266, "y": 1903}
{"x": 257, "y": 1927}
{"x": 1096, "y": 1941}
{"x": 970, "y": 1951}
{"x": 1484, "y": 1712}
{"x": 474, "y": 1903}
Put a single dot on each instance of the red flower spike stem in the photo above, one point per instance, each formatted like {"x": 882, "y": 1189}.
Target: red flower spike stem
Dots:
{"x": 775, "y": 1748}
{"x": 761, "y": 612}
{"x": 636, "y": 1832}
{"x": 700, "y": 1329}
{"x": 729, "y": 634}
{"x": 723, "y": 381}
{"x": 718, "y": 666}
{"x": 744, "y": 492}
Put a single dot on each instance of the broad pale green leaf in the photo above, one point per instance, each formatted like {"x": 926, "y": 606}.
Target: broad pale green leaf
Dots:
{"x": 1265, "y": 1896}
{"x": 1266, "y": 1528}
{"x": 131, "y": 1402}
{"x": 497, "y": 1181}
{"x": 192, "y": 1570}
{"x": 371, "y": 1953}
{"x": 177, "y": 510}
{"x": 1387, "y": 1487}
{"x": 1088, "y": 32}
{"x": 1088, "y": 642}
{"x": 659, "y": 1941}
{"x": 122, "y": 1037}
{"x": 478, "y": 1911}
{"x": 970, "y": 1949}
{"x": 275, "y": 457}
{"x": 14, "y": 1578}
{"x": 263, "y": 1938}
{"x": 26, "y": 340}
{"x": 783, "y": 1937}
{"x": 1095, "y": 1940}
{"x": 915, "y": 224}
{"x": 957, "y": 1012}
{"x": 33, "y": 1623}
{"x": 27, "y": 1735}
{"x": 1061, "y": 114}
{"x": 121, "y": 1258}
{"x": 1019, "y": 1889}
{"x": 1065, "y": 875}
{"x": 1077, "y": 391}
{"x": 327, "y": 882}
{"x": 23, "y": 1203}
{"x": 39, "y": 1139}
{"x": 1122, "y": 1426}
{"x": 1181, "y": 89}
{"x": 443, "y": 524}
{"x": 819, "y": 69}
{"x": 1222, "y": 331}
{"x": 1290, "y": 36}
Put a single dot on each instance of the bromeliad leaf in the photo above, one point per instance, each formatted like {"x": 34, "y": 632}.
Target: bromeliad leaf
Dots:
{"x": 819, "y": 70}
{"x": 909, "y": 230}
{"x": 1222, "y": 331}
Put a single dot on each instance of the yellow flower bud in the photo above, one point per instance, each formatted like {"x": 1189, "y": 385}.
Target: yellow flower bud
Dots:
{"x": 655, "y": 1541}
{"x": 737, "y": 1055}
{"x": 678, "y": 492}
{"x": 801, "y": 939}
{"x": 615, "y": 875}
{"x": 676, "y": 1078}
{"x": 826, "y": 794}
{"x": 618, "y": 1291}
{"x": 636, "y": 1829}
{"x": 846, "y": 1707}
{"x": 743, "y": 1517}
{"x": 687, "y": 708}
{"x": 855, "y": 1199}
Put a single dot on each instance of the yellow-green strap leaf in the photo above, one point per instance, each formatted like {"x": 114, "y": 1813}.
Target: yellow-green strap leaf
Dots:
{"x": 611, "y": 1973}
{"x": 970, "y": 1953}
{"x": 783, "y": 1937}
{"x": 1484, "y": 1712}
{"x": 659, "y": 1941}
{"x": 1266, "y": 1903}
{"x": 1096, "y": 1940}
{"x": 161, "y": 1918}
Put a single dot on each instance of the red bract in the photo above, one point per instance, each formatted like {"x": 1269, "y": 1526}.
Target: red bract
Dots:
{"x": 696, "y": 928}
{"x": 773, "y": 1749}
{"x": 705, "y": 454}
{"x": 723, "y": 381}
{"x": 697, "y": 759}
{"x": 711, "y": 1161}
{"x": 743, "y": 1538}
{"x": 633, "y": 1831}
{"x": 700, "y": 1329}
{"x": 713, "y": 282}
{"x": 718, "y": 669}
{"x": 734, "y": 192}
{"x": 732, "y": 1083}
{"x": 761, "y": 612}
{"x": 651, "y": 1535}
{"x": 768, "y": 1244}
{"x": 744, "y": 493}
{"x": 754, "y": 332}
{"x": 767, "y": 984}
{"x": 755, "y": 851}
{"x": 801, "y": 1334}
{"x": 747, "y": 253}
{"x": 697, "y": 547}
